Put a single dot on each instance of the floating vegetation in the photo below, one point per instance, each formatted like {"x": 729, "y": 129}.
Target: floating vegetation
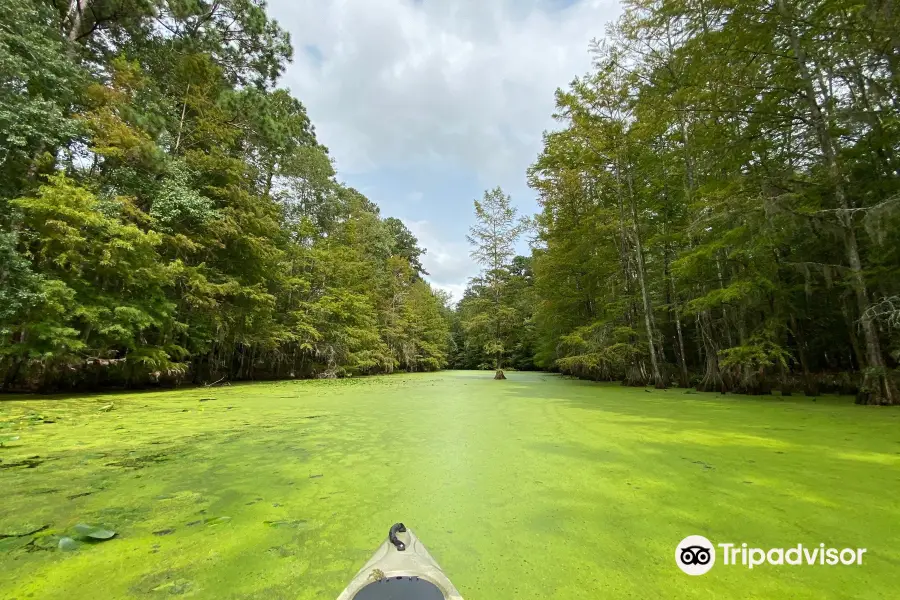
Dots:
{"x": 93, "y": 532}
{"x": 520, "y": 471}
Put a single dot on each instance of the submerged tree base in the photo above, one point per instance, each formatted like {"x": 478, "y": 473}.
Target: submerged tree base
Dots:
{"x": 499, "y": 374}
{"x": 876, "y": 389}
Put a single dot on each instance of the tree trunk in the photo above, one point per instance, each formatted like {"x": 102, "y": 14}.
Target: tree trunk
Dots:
{"x": 858, "y": 355}
{"x": 181, "y": 120}
{"x": 657, "y": 379}
{"x": 11, "y": 373}
{"x": 75, "y": 16}
{"x": 876, "y": 387}
{"x": 624, "y": 254}
{"x": 725, "y": 320}
{"x": 809, "y": 385}
{"x": 645, "y": 294}
{"x": 712, "y": 377}
{"x": 682, "y": 357}
{"x": 893, "y": 53}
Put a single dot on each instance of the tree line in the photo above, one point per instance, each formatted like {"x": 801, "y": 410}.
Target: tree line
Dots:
{"x": 718, "y": 209}
{"x": 719, "y": 204}
{"x": 167, "y": 214}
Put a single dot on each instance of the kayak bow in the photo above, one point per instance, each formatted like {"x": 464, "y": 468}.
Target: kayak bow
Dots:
{"x": 401, "y": 569}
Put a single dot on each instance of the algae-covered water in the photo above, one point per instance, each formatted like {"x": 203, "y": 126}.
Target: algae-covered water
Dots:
{"x": 532, "y": 488}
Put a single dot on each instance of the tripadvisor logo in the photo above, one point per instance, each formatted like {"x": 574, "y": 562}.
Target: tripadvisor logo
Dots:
{"x": 696, "y": 555}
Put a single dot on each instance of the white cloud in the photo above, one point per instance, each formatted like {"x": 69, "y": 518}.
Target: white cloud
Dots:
{"x": 469, "y": 82}
{"x": 465, "y": 85}
{"x": 448, "y": 263}
{"x": 456, "y": 291}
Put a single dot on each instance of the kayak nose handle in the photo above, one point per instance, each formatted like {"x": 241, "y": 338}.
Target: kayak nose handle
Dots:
{"x": 392, "y": 536}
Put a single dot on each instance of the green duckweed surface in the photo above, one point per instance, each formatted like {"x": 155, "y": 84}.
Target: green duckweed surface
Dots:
{"x": 533, "y": 488}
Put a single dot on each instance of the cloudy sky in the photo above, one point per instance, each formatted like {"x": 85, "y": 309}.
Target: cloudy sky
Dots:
{"x": 424, "y": 104}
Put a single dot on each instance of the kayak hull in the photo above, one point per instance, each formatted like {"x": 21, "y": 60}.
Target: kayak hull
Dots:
{"x": 413, "y": 562}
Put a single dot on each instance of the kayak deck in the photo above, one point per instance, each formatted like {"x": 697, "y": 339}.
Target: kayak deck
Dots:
{"x": 401, "y": 569}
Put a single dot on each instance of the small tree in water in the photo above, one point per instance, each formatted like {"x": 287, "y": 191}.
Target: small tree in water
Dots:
{"x": 493, "y": 239}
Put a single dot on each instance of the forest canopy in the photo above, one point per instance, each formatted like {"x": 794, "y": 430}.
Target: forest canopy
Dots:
{"x": 167, "y": 214}
{"x": 719, "y": 205}
{"x": 720, "y": 201}
{"x": 719, "y": 208}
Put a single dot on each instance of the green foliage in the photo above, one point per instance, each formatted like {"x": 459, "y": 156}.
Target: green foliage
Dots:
{"x": 18, "y": 283}
{"x": 733, "y": 214}
{"x": 178, "y": 206}
{"x": 405, "y": 244}
{"x": 166, "y": 214}
{"x": 489, "y": 314}
{"x": 749, "y": 366}
{"x": 38, "y": 84}
{"x": 479, "y": 315}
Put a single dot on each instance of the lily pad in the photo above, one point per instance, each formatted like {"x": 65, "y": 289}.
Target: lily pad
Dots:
{"x": 67, "y": 544}
{"x": 44, "y": 542}
{"x": 93, "y": 532}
